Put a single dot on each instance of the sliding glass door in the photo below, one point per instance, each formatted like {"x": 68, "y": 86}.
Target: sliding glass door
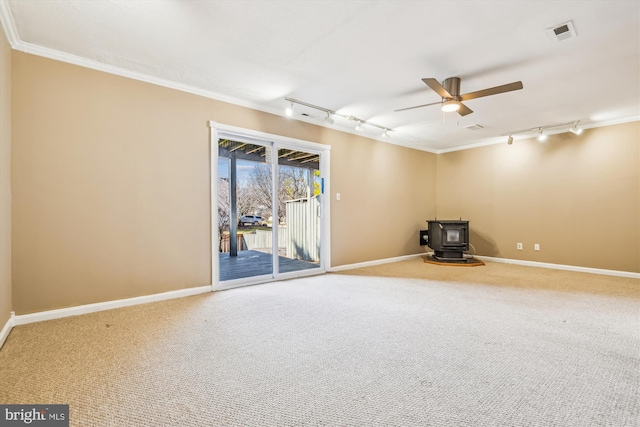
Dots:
{"x": 270, "y": 211}
{"x": 244, "y": 210}
{"x": 299, "y": 210}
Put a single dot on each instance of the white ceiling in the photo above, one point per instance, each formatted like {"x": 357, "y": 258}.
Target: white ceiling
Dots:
{"x": 362, "y": 58}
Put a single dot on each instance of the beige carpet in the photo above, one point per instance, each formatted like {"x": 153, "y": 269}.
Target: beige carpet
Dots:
{"x": 405, "y": 344}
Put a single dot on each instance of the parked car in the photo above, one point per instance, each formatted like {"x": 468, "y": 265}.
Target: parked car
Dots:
{"x": 252, "y": 220}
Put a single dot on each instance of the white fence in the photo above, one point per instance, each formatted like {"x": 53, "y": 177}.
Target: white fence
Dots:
{"x": 299, "y": 239}
{"x": 263, "y": 240}
{"x": 303, "y": 224}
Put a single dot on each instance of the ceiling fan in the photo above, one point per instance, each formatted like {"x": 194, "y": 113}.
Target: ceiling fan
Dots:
{"x": 449, "y": 90}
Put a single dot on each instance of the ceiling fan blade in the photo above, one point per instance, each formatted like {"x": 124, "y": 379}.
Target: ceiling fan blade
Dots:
{"x": 437, "y": 88}
{"x": 491, "y": 91}
{"x": 418, "y": 106}
{"x": 464, "y": 110}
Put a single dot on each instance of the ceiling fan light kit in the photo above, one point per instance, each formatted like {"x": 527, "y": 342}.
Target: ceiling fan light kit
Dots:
{"x": 450, "y": 106}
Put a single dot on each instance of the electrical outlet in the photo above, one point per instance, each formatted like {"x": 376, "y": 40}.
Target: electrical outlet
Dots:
{"x": 536, "y": 247}
{"x": 519, "y": 246}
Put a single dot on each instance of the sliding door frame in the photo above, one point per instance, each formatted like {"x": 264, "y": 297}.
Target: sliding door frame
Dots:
{"x": 217, "y": 131}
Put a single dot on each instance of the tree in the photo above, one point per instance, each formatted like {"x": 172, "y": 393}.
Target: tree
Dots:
{"x": 224, "y": 209}
{"x": 293, "y": 183}
{"x": 296, "y": 182}
{"x": 255, "y": 195}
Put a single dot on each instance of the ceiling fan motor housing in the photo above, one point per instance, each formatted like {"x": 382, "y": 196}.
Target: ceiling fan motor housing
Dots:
{"x": 452, "y": 85}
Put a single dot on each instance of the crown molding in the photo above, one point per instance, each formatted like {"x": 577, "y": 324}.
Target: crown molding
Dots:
{"x": 112, "y": 69}
{"x": 57, "y": 55}
{"x": 6, "y": 18}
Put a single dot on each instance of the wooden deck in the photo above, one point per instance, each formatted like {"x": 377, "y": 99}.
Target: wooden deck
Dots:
{"x": 253, "y": 263}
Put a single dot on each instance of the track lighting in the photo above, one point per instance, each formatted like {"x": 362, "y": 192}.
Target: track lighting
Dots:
{"x": 539, "y": 131}
{"x": 385, "y": 134}
{"x": 331, "y": 114}
{"x": 450, "y": 106}
{"x": 328, "y": 119}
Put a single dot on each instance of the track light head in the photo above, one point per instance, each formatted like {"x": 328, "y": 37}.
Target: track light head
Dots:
{"x": 575, "y": 129}
{"x": 359, "y": 127}
{"x": 510, "y": 140}
{"x": 328, "y": 119}
{"x": 542, "y": 136}
{"x": 385, "y": 134}
{"x": 289, "y": 110}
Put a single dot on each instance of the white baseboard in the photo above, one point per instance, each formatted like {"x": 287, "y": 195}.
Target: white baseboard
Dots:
{"x": 372, "y": 263}
{"x": 6, "y": 329}
{"x": 617, "y": 273}
{"x": 108, "y": 305}
{"x": 23, "y": 319}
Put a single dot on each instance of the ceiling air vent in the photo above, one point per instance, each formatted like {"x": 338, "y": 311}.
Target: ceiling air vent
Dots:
{"x": 474, "y": 127}
{"x": 562, "y": 32}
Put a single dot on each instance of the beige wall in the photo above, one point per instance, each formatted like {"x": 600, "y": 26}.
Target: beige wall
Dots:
{"x": 111, "y": 186}
{"x": 577, "y": 196}
{"x": 387, "y": 194}
{"x": 5, "y": 180}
